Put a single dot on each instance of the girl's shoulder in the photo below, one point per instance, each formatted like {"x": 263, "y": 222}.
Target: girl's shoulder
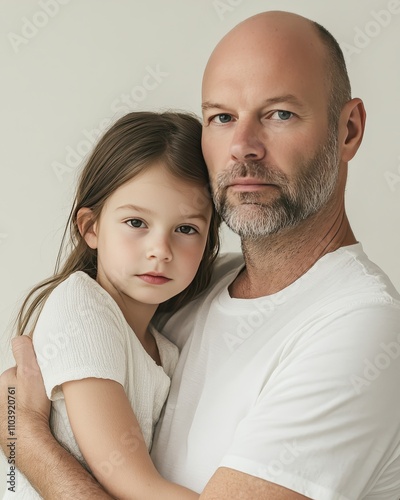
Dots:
{"x": 78, "y": 287}
{"x": 76, "y": 305}
{"x": 82, "y": 295}
{"x": 79, "y": 280}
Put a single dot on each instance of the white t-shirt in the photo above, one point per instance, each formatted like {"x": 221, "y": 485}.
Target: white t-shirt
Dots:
{"x": 300, "y": 388}
{"x": 82, "y": 333}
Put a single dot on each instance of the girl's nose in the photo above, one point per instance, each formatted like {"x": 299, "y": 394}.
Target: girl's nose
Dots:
{"x": 160, "y": 249}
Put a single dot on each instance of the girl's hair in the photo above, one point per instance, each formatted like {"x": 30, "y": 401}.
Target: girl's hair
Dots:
{"x": 134, "y": 143}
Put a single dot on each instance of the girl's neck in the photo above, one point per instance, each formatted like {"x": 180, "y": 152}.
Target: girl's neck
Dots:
{"x": 138, "y": 316}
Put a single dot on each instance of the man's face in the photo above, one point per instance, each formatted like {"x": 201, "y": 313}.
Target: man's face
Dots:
{"x": 271, "y": 154}
{"x": 252, "y": 215}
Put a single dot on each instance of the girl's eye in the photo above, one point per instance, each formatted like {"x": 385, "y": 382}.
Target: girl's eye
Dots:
{"x": 222, "y": 118}
{"x": 135, "y": 223}
{"x": 186, "y": 230}
{"x": 282, "y": 115}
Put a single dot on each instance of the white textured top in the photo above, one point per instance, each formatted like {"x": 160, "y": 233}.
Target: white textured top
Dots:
{"x": 82, "y": 333}
{"x": 300, "y": 388}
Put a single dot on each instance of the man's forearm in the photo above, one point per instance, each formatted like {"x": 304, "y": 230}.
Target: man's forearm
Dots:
{"x": 24, "y": 417}
{"x": 53, "y": 471}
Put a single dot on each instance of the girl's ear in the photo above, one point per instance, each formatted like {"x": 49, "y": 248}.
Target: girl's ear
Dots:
{"x": 87, "y": 227}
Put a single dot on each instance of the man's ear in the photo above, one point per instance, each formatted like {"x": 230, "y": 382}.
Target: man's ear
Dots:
{"x": 87, "y": 227}
{"x": 351, "y": 128}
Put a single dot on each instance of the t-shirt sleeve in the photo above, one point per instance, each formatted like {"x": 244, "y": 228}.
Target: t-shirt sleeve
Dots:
{"x": 79, "y": 335}
{"x": 326, "y": 423}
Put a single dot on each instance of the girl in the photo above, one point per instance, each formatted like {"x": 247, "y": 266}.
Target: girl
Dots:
{"x": 144, "y": 232}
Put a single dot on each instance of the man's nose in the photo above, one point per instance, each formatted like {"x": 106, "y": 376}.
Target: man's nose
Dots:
{"x": 247, "y": 143}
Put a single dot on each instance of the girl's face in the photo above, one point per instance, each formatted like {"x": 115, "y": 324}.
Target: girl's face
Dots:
{"x": 151, "y": 236}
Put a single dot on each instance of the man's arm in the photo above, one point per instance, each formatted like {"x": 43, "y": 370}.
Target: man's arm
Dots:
{"x": 38, "y": 455}
{"x": 53, "y": 471}
{"x": 227, "y": 483}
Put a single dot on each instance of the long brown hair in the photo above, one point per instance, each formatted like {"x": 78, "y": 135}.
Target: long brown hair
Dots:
{"x": 135, "y": 142}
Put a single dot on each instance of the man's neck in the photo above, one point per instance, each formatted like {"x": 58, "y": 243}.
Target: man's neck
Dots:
{"x": 276, "y": 261}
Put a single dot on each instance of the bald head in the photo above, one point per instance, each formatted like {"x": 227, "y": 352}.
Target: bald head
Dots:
{"x": 273, "y": 25}
{"x": 283, "y": 39}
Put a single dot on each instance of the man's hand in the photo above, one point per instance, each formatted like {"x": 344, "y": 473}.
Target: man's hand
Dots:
{"x": 23, "y": 401}
{"x": 24, "y": 418}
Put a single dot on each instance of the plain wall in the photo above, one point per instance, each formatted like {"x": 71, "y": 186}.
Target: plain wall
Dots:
{"x": 68, "y": 66}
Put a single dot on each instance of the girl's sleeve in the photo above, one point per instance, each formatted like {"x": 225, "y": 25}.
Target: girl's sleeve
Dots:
{"x": 79, "y": 335}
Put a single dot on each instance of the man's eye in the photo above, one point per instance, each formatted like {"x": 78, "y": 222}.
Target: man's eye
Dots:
{"x": 222, "y": 118}
{"x": 135, "y": 223}
{"x": 186, "y": 230}
{"x": 282, "y": 115}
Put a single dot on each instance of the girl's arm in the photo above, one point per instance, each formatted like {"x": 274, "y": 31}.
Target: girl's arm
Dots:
{"x": 110, "y": 439}
{"x": 49, "y": 467}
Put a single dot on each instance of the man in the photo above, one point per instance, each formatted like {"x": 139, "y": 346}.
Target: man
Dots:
{"x": 287, "y": 385}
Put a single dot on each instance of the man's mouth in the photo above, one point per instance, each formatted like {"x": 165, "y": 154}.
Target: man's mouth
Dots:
{"x": 248, "y": 184}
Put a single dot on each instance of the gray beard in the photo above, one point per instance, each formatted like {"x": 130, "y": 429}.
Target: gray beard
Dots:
{"x": 299, "y": 198}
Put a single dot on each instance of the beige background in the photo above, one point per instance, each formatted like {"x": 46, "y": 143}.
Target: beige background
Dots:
{"x": 66, "y": 72}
